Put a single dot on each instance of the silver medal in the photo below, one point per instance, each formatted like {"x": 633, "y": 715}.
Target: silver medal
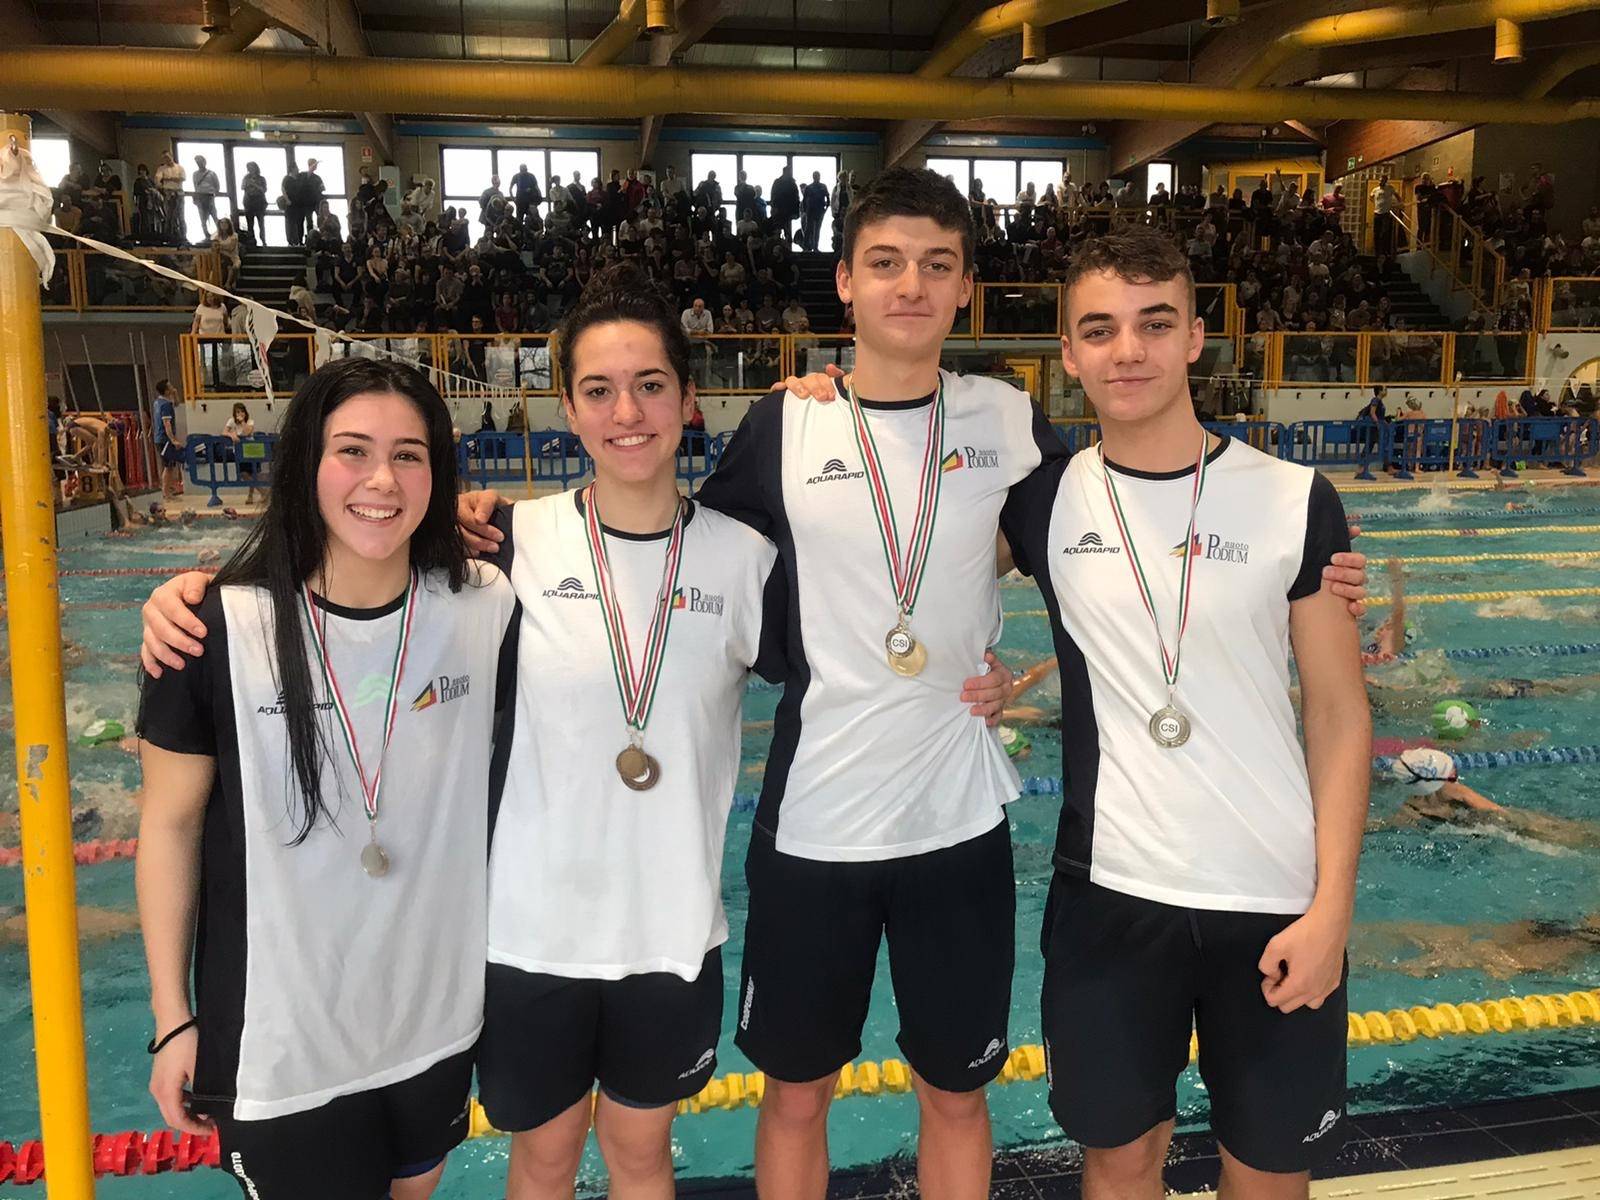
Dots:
{"x": 1169, "y": 727}
{"x": 374, "y": 860}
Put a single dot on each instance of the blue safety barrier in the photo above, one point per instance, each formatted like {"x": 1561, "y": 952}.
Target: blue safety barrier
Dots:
{"x": 1436, "y": 445}
{"x": 1342, "y": 444}
{"x": 215, "y": 461}
{"x": 1544, "y": 442}
{"x": 698, "y": 455}
{"x": 1269, "y": 437}
{"x": 543, "y": 455}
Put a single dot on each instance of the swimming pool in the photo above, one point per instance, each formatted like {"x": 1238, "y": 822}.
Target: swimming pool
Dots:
{"x": 1410, "y": 879}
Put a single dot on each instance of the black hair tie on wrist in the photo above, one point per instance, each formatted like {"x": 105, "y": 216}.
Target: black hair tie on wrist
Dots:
{"x": 157, "y": 1046}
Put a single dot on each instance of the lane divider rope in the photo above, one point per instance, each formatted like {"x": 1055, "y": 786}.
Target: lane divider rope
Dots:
{"x": 135, "y": 1153}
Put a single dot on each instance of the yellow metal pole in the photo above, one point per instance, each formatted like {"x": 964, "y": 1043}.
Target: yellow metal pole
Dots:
{"x": 27, "y": 516}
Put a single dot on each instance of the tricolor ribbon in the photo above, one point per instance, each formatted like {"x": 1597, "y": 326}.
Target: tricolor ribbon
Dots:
{"x": 370, "y": 788}
{"x": 1169, "y": 661}
{"x": 636, "y": 689}
{"x": 905, "y": 571}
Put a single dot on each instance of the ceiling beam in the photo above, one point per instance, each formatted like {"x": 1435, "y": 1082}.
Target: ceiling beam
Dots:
{"x": 696, "y": 18}
{"x": 1224, "y": 59}
{"x": 335, "y": 27}
{"x": 97, "y": 130}
{"x": 182, "y": 81}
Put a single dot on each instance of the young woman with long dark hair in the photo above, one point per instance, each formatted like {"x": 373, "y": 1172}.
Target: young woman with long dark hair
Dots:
{"x": 306, "y": 847}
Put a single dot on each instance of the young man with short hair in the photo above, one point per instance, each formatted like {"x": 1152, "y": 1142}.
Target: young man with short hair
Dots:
{"x": 882, "y": 812}
{"x": 1205, "y": 863}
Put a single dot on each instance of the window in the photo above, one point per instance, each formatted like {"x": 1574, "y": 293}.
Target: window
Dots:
{"x": 762, "y": 170}
{"x": 1003, "y": 179}
{"x": 957, "y": 170}
{"x": 53, "y": 157}
{"x": 1160, "y": 173}
{"x": 189, "y": 155}
{"x": 274, "y": 164}
{"x": 467, "y": 171}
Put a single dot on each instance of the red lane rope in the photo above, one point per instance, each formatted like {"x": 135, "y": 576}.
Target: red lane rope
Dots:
{"x": 99, "y": 572}
{"x": 126, "y": 1153}
{"x": 83, "y": 853}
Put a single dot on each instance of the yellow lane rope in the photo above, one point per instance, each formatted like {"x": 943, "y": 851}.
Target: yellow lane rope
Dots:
{"x": 1425, "y": 598}
{"x": 1559, "y": 1010}
{"x": 1466, "y": 485}
{"x": 1534, "y": 556}
{"x": 1498, "y": 531}
{"x": 1478, "y": 597}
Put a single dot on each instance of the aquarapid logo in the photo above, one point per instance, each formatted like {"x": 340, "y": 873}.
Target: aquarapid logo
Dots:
{"x": 833, "y": 470}
{"x": 570, "y": 588}
{"x": 1091, "y": 543}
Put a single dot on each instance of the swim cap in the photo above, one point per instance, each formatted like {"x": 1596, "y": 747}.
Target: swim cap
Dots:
{"x": 1425, "y": 769}
{"x": 1454, "y": 719}
{"x": 97, "y": 732}
{"x": 1411, "y": 632}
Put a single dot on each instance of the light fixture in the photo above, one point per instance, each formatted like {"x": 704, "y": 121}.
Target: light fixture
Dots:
{"x": 1507, "y": 41}
{"x": 1032, "y": 44}
{"x": 1222, "y": 12}
{"x": 215, "y": 17}
{"x": 659, "y": 16}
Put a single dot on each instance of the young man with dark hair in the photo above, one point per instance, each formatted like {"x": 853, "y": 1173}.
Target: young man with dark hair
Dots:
{"x": 882, "y": 807}
{"x": 1205, "y": 863}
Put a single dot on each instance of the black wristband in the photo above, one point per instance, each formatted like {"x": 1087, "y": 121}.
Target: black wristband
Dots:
{"x": 156, "y": 1046}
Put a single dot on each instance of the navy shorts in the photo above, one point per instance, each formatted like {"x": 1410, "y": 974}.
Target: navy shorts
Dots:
{"x": 353, "y": 1147}
{"x": 1125, "y": 982}
{"x": 811, "y": 951}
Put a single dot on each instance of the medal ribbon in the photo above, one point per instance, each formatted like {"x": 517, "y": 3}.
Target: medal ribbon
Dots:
{"x": 1169, "y": 662}
{"x": 370, "y": 789}
{"x": 905, "y": 572}
{"x": 637, "y": 690}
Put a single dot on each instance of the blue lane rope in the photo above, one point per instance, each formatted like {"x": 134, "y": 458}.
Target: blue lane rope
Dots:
{"x": 1476, "y": 760}
{"x": 1538, "y": 650}
{"x": 1409, "y": 514}
{"x": 1460, "y": 654}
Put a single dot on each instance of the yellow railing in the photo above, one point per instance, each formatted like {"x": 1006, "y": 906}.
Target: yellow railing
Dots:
{"x": 225, "y": 367}
{"x": 1568, "y": 304}
{"x": 464, "y": 365}
{"x": 1037, "y": 310}
{"x": 1461, "y": 248}
{"x": 88, "y": 281}
{"x": 1420, "y": 359}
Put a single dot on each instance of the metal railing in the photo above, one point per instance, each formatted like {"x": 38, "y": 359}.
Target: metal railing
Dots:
{"x": 88, "y": 281}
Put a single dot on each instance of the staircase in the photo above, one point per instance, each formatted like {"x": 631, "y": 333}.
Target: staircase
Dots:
{"x": 267, "y": 272}
{"x": 1406, "y": 297}
{"x": 818, "y": 291}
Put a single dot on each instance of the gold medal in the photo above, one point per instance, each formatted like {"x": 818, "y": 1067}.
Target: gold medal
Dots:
{"x": 912, "y": 662}
{"x": 907, "y": 656}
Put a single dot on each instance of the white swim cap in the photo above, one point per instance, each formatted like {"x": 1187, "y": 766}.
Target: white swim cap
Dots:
{"x": 1425, "y": 769}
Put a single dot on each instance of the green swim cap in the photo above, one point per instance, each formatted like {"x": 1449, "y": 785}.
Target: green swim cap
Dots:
{"x": 1454, "y": 719}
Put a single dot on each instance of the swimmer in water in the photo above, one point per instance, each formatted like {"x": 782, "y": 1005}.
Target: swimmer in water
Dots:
{"x": 1440, "y": 797}
{"x": 94, "y": 924}
{"x": 1027, "y": 714}
{"x": 1389, "y": 639}
{"x": 1501, "y": 950}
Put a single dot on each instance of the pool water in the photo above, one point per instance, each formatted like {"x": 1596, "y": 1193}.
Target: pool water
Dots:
{"x": 1438, "y": 877}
